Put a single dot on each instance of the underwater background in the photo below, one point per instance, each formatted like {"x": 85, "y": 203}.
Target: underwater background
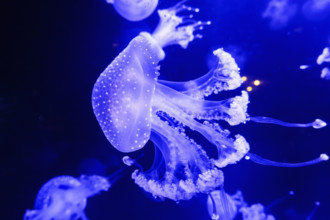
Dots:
{"x": 53, "y": 52}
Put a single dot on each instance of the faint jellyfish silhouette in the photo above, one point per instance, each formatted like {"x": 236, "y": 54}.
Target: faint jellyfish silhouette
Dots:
{"x": 65, "y": 197}
{"x": 132, "y": 106}
{"x": 325, "y": 73}
{"x": 279, "y": 12}
{"x": 134, "y": 10}
{"x": 324, "y": 56}
{"x": 316, "y": 9}
{"x": 316, "y": 206}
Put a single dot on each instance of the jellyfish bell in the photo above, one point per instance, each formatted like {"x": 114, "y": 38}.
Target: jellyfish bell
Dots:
{"x": 134, "y": 10}
{"x": 123, "y": 94}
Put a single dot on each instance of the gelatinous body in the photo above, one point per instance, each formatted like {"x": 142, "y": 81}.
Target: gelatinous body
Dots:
{"x": 132, "y": 106}
{"x": 65, "y": 197}
{"x": 134, "y": 10}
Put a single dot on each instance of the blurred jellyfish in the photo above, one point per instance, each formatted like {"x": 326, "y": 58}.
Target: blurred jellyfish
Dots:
{"x": 132, "y": 106}
{"x": 316, "y": 206}
{"x": 134, "y": 10}
{"x": 325, "y": 73}
{"x": 316, "y": 9}
{"x": 324, "y": 56}
{"x": 279, "y": 12}
{"x": 65, "y": 197}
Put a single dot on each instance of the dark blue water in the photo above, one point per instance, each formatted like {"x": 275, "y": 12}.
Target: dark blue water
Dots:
{"x": 53, "y": 51}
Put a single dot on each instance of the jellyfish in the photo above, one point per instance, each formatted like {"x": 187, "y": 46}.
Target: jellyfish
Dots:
{"x": 279, "y": 12}
{"x": 134, "y": 10}
{"x": 65, "y": 197}
{"x": 132, "y": 107}
{"x": 316, "y": 9}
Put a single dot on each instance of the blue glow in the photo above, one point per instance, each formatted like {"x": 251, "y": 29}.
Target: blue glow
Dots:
{"x": 207, "y": 127}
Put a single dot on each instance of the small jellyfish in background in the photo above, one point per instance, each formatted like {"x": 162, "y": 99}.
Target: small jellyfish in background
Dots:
{"x": 134, "y": 10}
{"x": 65, "y": 197}
{"x": 222, "y": 206}
{"x": 316, "y": 10}
{"x": 324, "y": 56}
{"x": 325, "y": 73}
{"x": 279, "y": 12}
{"x": 132, "y": 107}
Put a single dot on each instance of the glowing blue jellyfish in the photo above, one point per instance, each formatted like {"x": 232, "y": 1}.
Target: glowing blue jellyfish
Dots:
{"x": 134, "y": 10}
{"x": 65, "y": 197}
{"x": 226, "y": 207}
{"x": 132, "y": 106}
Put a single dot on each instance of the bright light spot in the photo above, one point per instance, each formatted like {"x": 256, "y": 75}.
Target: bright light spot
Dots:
{"x": 249, "y": 89}
{"x": 256, "y": 82}
{"x": 244, "y": 78}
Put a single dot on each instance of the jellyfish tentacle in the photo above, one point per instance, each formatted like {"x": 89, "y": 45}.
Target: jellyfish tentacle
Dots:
{"x": 186, "y": 108}
{"x": 317, "y": 123}
{"x": 215, "y": 215}
{"x": 279, "y": 200}
{"x": 232, "y": 110}
{"x": 316, "y": 206}
{"x": 224, "y": 205}
{"x": 173, "y": 29}
{"x": 260, "y": 160}
{"x": 181, "y": 155}
{"x": 223, "y": 76}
